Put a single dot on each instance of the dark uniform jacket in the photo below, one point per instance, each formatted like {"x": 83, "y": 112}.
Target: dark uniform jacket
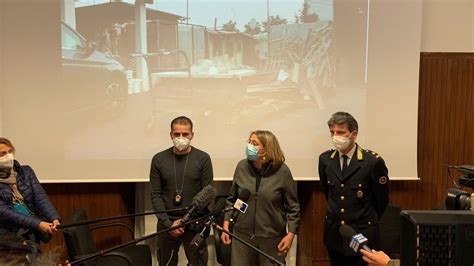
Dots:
{"x": 358, "y": 198}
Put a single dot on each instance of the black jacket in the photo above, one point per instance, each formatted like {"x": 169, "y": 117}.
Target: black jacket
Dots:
{"x": 358, "y": 198}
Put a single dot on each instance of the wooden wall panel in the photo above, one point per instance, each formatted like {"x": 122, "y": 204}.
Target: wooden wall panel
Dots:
{"x": 445, "y": 137}
{"x": 99, "y": 200}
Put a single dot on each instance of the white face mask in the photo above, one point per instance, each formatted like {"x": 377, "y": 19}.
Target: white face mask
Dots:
{"x": 181, "y": 143}
{"x": 6, "y": 161}
{"x": 340, "y": 142}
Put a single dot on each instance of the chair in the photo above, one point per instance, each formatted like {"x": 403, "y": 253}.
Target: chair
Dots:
{"x": 80, "y": 244}
{"x": 390, "y": 230}
{"x": 15, "y": 249}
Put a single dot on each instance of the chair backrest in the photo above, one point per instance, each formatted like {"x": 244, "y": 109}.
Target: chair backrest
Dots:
{"x": 79, "y": 239}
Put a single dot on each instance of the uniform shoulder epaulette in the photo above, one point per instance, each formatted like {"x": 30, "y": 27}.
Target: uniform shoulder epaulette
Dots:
{"x": 328, "y": 151}
{"x": 373, "y": 153}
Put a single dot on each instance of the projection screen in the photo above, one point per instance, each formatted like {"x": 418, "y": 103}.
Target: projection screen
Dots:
{"x": 284, "y": 66}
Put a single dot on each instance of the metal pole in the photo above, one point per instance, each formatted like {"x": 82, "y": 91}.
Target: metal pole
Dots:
{"x": 268, "y": 29}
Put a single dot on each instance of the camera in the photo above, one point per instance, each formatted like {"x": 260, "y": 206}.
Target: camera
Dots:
{"x": 467, "y": 180}
{"x": 459, "y": 199}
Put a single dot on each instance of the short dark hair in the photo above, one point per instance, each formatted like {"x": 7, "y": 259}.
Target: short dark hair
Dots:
{"x": 7, "y": 142}
{"x": 341, "y": 118}
{"x": 182, "y": 120}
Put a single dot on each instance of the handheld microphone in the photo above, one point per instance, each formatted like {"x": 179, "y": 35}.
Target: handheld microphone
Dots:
{"x": 357, "y": 240}
{"x": 218, "y": 208}
{"x": 240, "y": 206}
{"x": 200, "y": 201}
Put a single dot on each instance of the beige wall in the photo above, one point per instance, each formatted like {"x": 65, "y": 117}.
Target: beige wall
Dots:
{"x": 447, "y": 26}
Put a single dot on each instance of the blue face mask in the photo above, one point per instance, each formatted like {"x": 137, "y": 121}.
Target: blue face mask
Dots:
{"x": 251, "y": 152}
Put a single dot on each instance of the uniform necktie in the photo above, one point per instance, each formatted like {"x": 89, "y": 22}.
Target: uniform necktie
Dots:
{"x": 344, "y": 163}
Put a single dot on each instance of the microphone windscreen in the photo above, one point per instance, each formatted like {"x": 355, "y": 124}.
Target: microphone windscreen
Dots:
{"x": 204, "y": 197}
{"x": 346, "y": 231}
{"x": 244, "y": 194}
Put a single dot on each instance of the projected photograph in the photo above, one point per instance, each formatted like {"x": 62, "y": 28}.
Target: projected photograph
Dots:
{"x": 231, "y": 66}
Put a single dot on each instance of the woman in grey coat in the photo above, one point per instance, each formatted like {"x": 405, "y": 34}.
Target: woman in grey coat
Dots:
{"x": 272, "y": 217}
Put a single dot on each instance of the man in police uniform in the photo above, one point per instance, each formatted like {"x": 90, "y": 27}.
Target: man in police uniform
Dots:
{"x": 355, "y": 184}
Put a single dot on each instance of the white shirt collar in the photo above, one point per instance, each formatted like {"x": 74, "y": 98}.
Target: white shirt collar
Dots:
{"x": 350, "y": 154}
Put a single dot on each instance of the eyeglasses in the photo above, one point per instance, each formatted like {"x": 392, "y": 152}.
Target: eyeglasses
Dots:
{"x": 177, "y": 134}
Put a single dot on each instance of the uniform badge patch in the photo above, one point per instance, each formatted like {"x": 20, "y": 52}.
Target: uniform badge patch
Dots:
{"x": 383, "y": 180}
{"x": 360, "y": 194}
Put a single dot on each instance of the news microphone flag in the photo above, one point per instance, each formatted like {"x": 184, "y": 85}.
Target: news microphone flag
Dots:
{"x": 356, "y": 242}
{"x": 240, "y": 205}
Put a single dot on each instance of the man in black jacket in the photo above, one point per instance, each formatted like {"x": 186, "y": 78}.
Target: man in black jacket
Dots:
{"x": 355, "y": 184}
{"x": 177, "y": 174}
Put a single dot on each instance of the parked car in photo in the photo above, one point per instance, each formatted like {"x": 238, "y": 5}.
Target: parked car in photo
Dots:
{"x": 92, "y": 79}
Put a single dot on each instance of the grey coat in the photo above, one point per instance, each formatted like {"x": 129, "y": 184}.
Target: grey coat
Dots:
{"x": 271, "y": 208}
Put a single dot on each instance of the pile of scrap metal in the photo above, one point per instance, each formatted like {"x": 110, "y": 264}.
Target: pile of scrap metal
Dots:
{"x": 309, "y": 64}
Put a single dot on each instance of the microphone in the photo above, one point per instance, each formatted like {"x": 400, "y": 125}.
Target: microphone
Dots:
{"x": 357, "y": 240}
{"x": 240, "y": 206}
{"x": 101, "y": 219}
{"x": 218, "y": 208}
{"x": 200, "y": 201}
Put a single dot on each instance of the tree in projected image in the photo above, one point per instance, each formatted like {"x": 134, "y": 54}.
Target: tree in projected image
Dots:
{"x": 230, "y": 26}
{"x": 253, "y": 28}
{"x": 272, "y": 21}
{"x": 304, "y": 15}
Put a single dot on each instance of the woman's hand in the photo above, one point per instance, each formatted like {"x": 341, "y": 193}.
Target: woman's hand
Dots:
{"x": 45, "y": 227}
{"x": 225, "y": 238}
{"x": 285, "y": 244}
{"x": 55, "y": 224}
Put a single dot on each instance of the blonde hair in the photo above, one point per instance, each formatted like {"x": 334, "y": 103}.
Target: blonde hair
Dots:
{"x": 271, "y": 145}
{"x": 7, "y": 142}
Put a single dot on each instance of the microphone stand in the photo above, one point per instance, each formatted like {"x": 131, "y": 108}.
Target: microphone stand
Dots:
{"x": 272, "y": 259}
{"x": 96, "y": 220}
{"x": 135, "y": 241}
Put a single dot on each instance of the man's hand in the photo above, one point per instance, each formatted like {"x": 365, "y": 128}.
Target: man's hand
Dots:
{"x": 285, "y": 244}
{"x": 375, "y": 258}
{"x": 225, "y": 238}
{"x": 178, "y": 231}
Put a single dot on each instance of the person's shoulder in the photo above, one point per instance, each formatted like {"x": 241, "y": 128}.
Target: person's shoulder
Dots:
{"x": 243, "y": 163}
{"x": 200, "y": 153}
{"x": 373, "y": 155}
{"x": 26, "y": 169}
{"x": 163, "y": 154}
{"x": 286, "y": 170}
{"x": 327, "y": 154}
{"x": 284, "y": 167}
